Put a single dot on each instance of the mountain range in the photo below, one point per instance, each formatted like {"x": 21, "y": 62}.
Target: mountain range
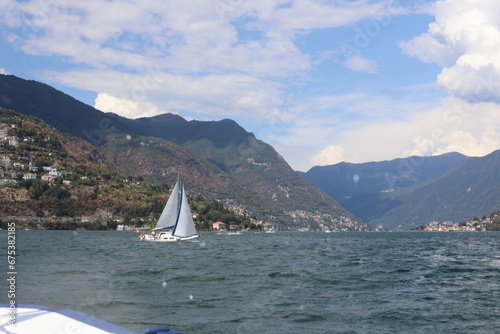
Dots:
{"x": 404, "y": 193}
{"x": 219, "y": 159}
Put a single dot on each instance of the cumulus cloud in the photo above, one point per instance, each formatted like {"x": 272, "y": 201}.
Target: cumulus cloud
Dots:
{"x": 125, "y": 107}
{"x": 466, "y": 143}
{"x": 451, "y": 127}
{"x": 328, "y": 156}
{"x": 464, "y": 40}
{"x": 3, "y": 71}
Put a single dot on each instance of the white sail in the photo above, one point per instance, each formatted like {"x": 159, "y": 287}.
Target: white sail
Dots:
{"x": 184, "y": 227}
{"x": 170, "y": 211}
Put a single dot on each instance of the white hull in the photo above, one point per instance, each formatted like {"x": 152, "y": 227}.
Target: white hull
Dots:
{"x": 166, "y": 237}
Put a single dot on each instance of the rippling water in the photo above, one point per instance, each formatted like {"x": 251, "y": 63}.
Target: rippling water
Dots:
{"x": 269, "y": 283}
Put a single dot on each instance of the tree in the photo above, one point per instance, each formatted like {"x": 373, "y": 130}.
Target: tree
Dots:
{"x": 37, "y": 189}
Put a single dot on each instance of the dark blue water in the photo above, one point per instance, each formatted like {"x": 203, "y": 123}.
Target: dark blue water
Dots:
{"x": 269, "y": 283}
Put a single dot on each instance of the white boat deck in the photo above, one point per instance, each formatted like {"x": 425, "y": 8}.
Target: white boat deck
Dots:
{"x": 30, "y": 319}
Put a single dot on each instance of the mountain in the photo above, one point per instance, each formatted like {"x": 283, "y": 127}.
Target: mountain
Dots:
{"x": 252, "y": 163}
{"x": 53, "y": 180}
{"x": 357, "y": 186}
{"x": 219, "y": 160}
{"x": 471, "y": 188}
{"x": 345, "y": 180}
{"x": 404, "y": 193}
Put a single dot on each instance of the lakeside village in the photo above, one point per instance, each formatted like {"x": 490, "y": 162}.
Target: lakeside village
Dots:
{"x": 491, "y": 223}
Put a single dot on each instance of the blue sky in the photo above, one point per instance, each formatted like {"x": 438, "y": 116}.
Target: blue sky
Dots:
{"x": 321, "y": 81}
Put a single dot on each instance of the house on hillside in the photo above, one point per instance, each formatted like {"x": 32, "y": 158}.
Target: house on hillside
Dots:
{"x": 3, "y": 133}
{"x": 7, "y": 163}
{"x": 29, "y": 176}
{"x": 32, "y": 167}
{"x": 54, "y": 172}
{"x": 48, "y": 178}
{"x": 219, "y": 226}
{"x": 18, "y": 166}
{"x": 14, "y": 141}
{"x": 11, "y": 174}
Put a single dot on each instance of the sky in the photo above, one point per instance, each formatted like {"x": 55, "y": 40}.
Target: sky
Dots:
{"x": 321, "y": 81}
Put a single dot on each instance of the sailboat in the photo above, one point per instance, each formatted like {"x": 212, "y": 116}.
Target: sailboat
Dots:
{"x": 176, "y": 221}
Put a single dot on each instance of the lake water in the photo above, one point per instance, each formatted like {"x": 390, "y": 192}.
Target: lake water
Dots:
{"x": 286, "y": 282}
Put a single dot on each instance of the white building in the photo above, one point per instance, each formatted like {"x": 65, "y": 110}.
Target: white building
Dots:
{"x": 29, "y": 176}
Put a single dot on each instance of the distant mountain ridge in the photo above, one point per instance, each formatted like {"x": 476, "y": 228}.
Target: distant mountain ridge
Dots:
{"x": 404, "y": 193}
{"x": 471, "y": 188}
{"x": 218, "y": 159}
{"x": 344, "y": 180}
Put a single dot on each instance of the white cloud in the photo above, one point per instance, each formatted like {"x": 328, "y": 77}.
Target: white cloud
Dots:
{"x": 429, "y": 50}
{"x": 361, "y": 64}
{"x": 466, "y": 143}
{"x": 453, "y": 125}
{"x": 124, "y": 107}
{"x": 328, "y": 156}
{"x": 3, "y": 71}
{"x": 157, "y": 92}
{"x": 309, "y": 14}
{"x": 464, "y": 40}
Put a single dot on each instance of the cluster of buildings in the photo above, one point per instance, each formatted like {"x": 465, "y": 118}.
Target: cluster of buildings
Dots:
{"x": 24, "y": 168}
{"x": 11, "y": 172}
{"x": 4, "y": 134}
{"x": 469, "y": 226}
{"x": 327, "y": 222}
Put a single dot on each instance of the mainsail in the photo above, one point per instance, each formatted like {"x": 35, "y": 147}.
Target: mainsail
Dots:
{"x": 170, "y": 211}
